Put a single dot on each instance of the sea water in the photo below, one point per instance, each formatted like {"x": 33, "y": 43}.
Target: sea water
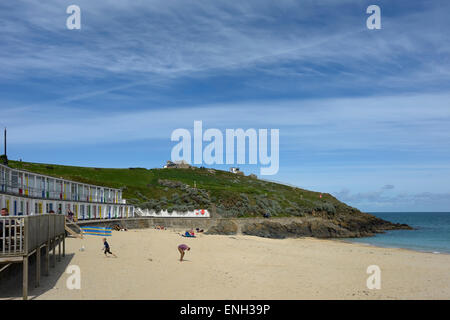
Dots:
{"x": 431, "y": 232}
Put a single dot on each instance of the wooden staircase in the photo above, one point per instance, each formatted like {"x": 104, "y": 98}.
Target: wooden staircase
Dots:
{"x": 69, "y": 224}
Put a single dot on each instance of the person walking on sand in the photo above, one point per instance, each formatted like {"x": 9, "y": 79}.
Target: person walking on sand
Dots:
{"x": 182, "y": 248}
{"x": 106, "y": 248}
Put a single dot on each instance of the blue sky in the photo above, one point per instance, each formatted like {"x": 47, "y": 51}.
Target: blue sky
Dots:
{"x": 363, "y": 114}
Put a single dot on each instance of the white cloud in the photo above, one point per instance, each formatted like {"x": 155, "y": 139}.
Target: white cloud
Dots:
{"x": 359, "y": 123}
{"x": 167, "y": 39}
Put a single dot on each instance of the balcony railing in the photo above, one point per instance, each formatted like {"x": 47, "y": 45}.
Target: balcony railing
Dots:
{"x": 28, "y": 191}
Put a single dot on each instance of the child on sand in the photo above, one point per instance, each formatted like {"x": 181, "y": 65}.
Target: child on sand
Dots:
{"x": 106, "y": 248}
{"x": 182, "y": 248}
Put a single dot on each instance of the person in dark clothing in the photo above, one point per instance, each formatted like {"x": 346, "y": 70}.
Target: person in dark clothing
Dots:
{"x": 106, "y": 248}
{"x": 70, "y": 215}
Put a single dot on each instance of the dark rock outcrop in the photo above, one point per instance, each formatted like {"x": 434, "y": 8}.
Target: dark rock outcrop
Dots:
{"x": 314, "y": 228}
{"x": 225, "y": 227}
{"x": 320, "y": 226}
{"x": 267, "y": 229}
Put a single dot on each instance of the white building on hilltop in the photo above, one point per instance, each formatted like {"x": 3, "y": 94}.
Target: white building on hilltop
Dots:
{"x": 236, "y": 171}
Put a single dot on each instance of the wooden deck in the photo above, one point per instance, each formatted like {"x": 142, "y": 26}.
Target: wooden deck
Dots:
{"x": 23, "y": 236}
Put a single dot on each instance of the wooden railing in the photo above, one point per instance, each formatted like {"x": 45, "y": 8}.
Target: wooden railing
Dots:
{"x": 11, "y": 236}
{"x": 71, "y": 223}
{"x": 22, "y": 235}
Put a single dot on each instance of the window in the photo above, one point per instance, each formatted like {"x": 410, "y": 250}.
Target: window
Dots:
{"x": 74, "y": 191}
{"x": 42, "y": 187}
{"x": 31, "y": 184}
{"x": 46, "y": 188}
{"x": 3, "y": 179}
{"x": 14, "y": 180}
{"x": 37, "y": 186}
{"x": 59, "y": 189}
{"x": 51, "y": 187}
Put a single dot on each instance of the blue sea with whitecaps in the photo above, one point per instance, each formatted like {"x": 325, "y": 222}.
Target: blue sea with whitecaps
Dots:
{"x": 431, "y": 234}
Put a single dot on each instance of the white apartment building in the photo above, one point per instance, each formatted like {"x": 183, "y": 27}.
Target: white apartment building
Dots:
{"x": 27, "y": 193}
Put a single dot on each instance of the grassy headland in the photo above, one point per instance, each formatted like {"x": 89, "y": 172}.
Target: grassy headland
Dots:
{"x": 173, "y": 189}
{"x": 223, "y": 193}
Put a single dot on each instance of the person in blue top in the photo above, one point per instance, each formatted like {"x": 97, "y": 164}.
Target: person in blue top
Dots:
{"x": 106, "y": 248}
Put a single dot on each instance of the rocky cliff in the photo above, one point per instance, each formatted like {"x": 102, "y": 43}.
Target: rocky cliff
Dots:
{"x": 360, "y": 225}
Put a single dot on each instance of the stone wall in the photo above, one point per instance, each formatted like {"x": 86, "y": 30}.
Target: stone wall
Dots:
{"x": 150, "y": 222}
{"x": 278, "y": 228}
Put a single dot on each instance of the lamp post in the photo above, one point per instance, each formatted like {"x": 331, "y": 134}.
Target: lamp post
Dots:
{"x": 5, "y": 158}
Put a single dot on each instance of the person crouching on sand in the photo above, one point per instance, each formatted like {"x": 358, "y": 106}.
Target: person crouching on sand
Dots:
{"x": 182, "y": 248}
{"x": 106, "y": 248}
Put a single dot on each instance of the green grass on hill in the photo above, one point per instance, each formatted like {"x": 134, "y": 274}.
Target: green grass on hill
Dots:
{"x": 173, "y": 189}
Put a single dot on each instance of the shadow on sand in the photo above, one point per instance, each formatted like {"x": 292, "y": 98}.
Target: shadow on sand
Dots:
{"x": 11, "y": 278}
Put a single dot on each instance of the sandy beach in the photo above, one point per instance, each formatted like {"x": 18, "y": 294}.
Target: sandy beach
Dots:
{"x": 237, "y": 267}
